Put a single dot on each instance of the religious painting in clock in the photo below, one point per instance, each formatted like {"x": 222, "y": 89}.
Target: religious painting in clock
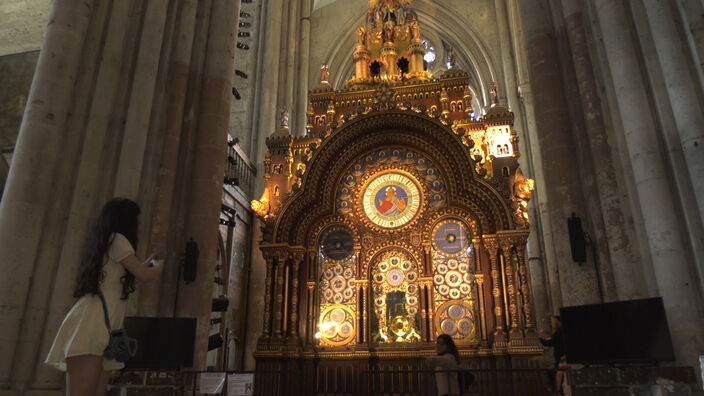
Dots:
{"x": 391, "y": 200}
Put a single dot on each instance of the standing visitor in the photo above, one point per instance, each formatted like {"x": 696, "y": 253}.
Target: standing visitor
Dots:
{"x": 446, "y": 365}
{"x": 106, "y": 277}
{"x": 556, "y": 340}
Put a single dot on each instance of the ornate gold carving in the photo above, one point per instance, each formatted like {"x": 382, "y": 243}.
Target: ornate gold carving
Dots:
{"x": 261, "y": 208}
{"x": 395, "y": 272}
{"x": 337, "y": 325}
{"x": 522, "y": 193}
{"x": 429, "y": 119}
{"x": 457, "y": 319}
{"x": 491, "y": 245}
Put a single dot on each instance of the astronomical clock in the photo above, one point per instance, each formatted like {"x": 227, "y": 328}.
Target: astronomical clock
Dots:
{"x": 398, "y": 215}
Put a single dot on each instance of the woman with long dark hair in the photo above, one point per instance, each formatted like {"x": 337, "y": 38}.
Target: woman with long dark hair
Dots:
{"x": 447, "y": 364}
{"x": 108, "y": 266}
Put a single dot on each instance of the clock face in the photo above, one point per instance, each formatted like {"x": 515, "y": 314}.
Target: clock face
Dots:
{"x": 391, "y": 200}
{"x": 451, "y": 238}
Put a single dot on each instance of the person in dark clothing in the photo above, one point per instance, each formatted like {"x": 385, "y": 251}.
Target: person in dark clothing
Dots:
{"x": 556, "y": 340}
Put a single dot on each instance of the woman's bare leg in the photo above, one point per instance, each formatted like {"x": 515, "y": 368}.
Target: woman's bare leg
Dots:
{"x": 103, "y": 383}
{"x": 82, "y": 374}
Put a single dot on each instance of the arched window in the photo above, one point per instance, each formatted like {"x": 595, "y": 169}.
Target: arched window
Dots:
{"x": 429, "y": 57}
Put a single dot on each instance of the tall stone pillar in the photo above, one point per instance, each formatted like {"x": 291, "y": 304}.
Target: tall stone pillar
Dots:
{"x": 208, "y": 168}
{"x": 102, "y": 62}
{"x": 628, "y": 277}
{"x": 683, "y": 89}
{"x": 303, "y": 75}
{"x": 542, "y": 262}
{"x": 670, "y": 263}
{"x": 292, "y": 61}
{"x": 175, "y": 101}
{"x": 28, "y": 192}
{"x": 563, "y": 190}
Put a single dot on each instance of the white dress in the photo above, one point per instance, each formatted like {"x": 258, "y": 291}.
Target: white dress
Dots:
{"x": 447, "y": 382}
{"x": 83, "y": 331}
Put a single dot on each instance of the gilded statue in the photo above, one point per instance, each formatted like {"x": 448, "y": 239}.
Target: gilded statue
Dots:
{"x": 388, "y": 32}
{"x": 522, "y": 193}
{"x": 361, "y": 37}
{"x": 415, "y": 29}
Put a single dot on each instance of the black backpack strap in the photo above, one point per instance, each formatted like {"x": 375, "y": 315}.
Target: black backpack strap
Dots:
{"x": 105, "y": 310}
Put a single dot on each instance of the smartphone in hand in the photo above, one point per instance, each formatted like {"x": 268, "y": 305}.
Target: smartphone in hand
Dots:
{"x": 159, "y": 256}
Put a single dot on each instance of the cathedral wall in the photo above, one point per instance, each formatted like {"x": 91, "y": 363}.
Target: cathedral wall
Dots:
{"x": 243, "y": 109}
{"x": 16, "y": 73}
{"x": 23, "y": 25}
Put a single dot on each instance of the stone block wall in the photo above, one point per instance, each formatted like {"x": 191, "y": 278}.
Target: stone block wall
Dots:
{"x": 634, "y": 381}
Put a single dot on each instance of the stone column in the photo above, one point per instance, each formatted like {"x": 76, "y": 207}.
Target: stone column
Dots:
{"x": 670, "y": 263}
{"x": 691, "y": 11}
{"x": 291, "y": 50}
{"x": 209, "y": 149}
{"x": 303, "y": 75}
{"x": 561, "y": 175}
{"x": 140, "y": 103}
{"x": 542, "y": 261}
{"x": 163, "y": 197}
{"x": 536, "y": 278}
{"x": 30, "y": 183}
{"x": 683, "y": 89}
{"x": 628, "y": 278}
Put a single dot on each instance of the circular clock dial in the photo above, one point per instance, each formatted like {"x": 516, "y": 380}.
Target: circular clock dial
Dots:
{"x": 338, "y": 245}
{"x": 451, "y": 239}
{"x": 391, "y": 200}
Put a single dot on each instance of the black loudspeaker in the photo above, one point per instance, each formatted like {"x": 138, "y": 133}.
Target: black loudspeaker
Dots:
{"x": 162, "y": 343}
{"x": 190, "y": 263}
{"x": 215, "y": 341}
{"x": 577, "y": 242}
{"x": 220, "y": 304}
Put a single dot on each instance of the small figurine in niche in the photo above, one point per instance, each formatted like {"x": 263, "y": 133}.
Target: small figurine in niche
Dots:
{"x": 324, "y": 73}
{"x": 284, "y": 117}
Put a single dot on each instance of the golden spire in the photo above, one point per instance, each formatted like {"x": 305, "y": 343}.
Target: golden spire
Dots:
{"x": 389, "y": 45}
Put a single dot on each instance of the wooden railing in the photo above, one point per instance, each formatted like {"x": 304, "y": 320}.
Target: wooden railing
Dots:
{"x": 240, "y": 171}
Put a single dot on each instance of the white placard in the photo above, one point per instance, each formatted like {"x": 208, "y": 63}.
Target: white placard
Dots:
{"x": 240, "y": 384}
{"x": 211, "y": 382}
